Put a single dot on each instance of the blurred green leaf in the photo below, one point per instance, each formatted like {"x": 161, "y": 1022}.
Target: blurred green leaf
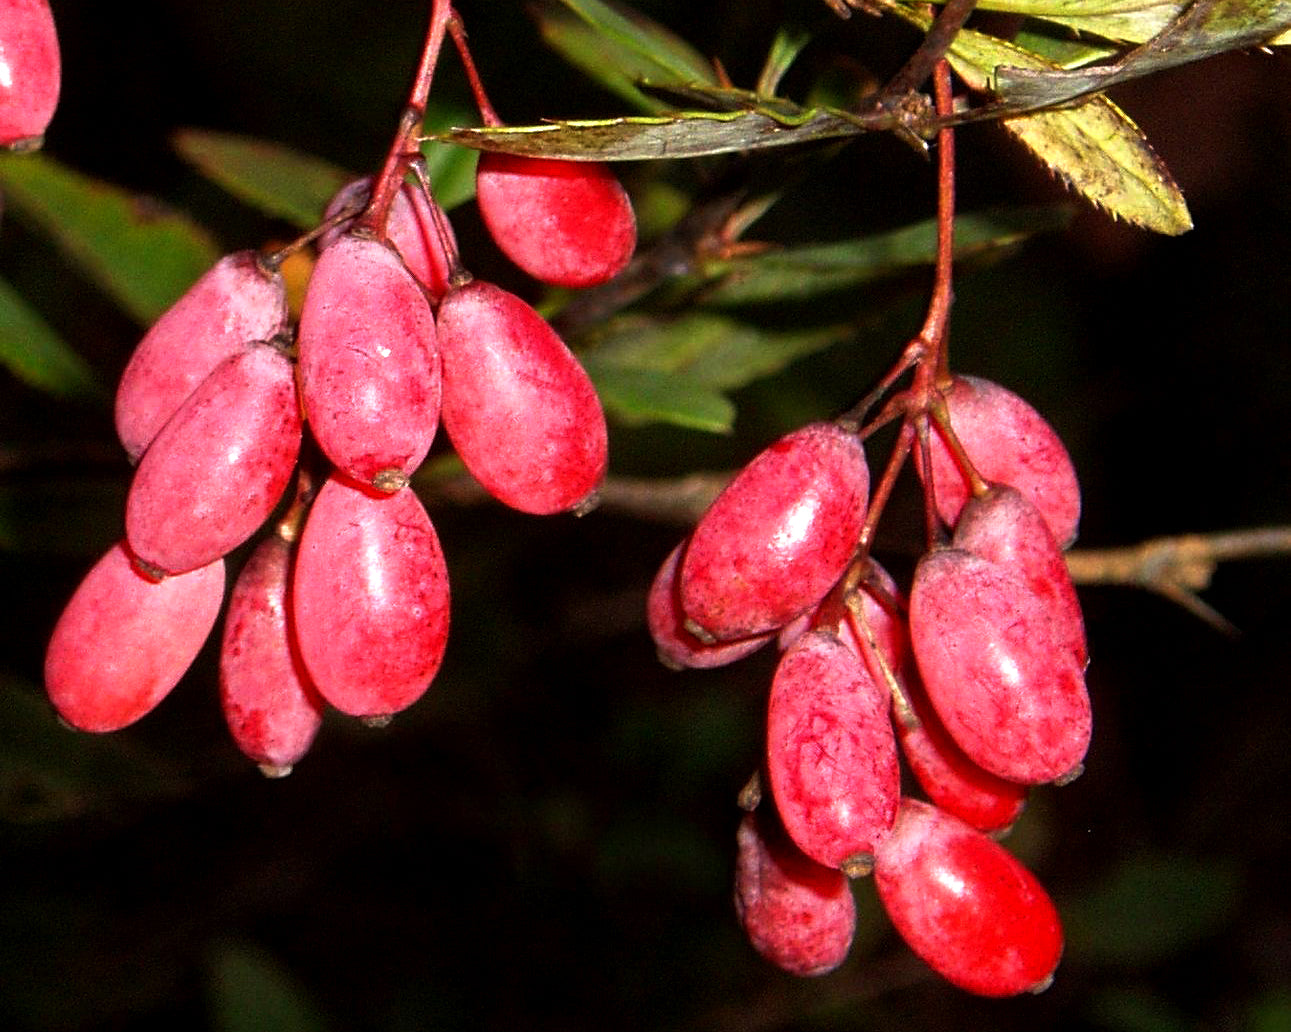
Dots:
{"x": 1151, "y": 908}
{"x": 638, "y": 396}
{"x": 251, "y": 991}
{"x": 141, "y": 253}
{"x": 36, "y": 354}
{"x": 802, "y": 273}
{"x": 790, "y": 41}
{"x": 276, "y": 179}
{"x": 619, "y": 47}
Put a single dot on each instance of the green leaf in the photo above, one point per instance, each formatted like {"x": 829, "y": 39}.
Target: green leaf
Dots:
{"x": 638, "y": 396}
{"x": 37, "y": 355}
{"x": 252, "y": 992}
{"x": 803, "y": 273}
{"x": 142, "y": 254}
{"x": 1204, "y": 29}
{"x": 276, "y": 179}
{"x": 1151, "y": 908}
{"x": 1129, "y": 20}
{"x": 1064, "y": 53}
{"x": 682, "y": 134}
{"x": 790, "y": 41}
{"x": 619, "y": 47}
{"x": 714, "y": 350}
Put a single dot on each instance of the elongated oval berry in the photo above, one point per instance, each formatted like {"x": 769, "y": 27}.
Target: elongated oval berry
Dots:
{"x": 567, "y": 223}
{"x": 678, "y": 648}
{"x": 1003, "y": 526}
{"x": 972, "y": 912}
{"x": 237, "y": 300}
{"x": 124, "y": 641}
{"x": 951, "y": 780}
{"x": 778, "y": 536}
{"x": 1008, "y": 442}
{"x": 831, "y": 755}
{"x": 370, "y": 599}
{"x": 217, "y": 469}
{"x": 369, "y": 365}
{"x": 797, "y": 914}
{"x": 417, "y": 227}
{"x": 30, "y": 72}
{"x": 521, "y": 412}
{"x": 1007, "y": 691}
{"x": 272, "y": 708}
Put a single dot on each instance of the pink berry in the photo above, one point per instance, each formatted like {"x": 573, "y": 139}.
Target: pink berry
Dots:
{"x": 972, "y": 912}
{"x": 417, "y": 227}
{"x": 567, "y": 223}
{"x": 124, "y": 641}
{"x": 678, "y": 648}
{"x": 950, "y": 779}
{"x": 1005, "y": 527}
{"x": 272, "y": 709}
{"x": 30, "y": 72}
{"x": 370, "y": 599}
{"x": 778, "y": 537}
{"x": 1007, "y": 691}
{"x": 369, "y": 365}
{"x": 797, "y": 914}
{"x": 521, "y": 412}
{"x": 1010, "y": 443}
{"x": 219, "y": 466}
{"x": 236, "y": 301}
{"x": 831, "y": 755}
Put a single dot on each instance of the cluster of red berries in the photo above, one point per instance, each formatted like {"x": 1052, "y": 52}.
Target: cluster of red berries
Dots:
{"x": 978, "y": 677}
{"x": 30, "y": 72}
{"x": 346, "y": 601}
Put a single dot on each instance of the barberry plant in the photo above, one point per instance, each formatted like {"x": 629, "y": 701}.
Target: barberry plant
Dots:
{"x": 290, "y": 441}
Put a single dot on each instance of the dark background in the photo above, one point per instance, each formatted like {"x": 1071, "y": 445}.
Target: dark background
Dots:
{"x": 545, "y": 841}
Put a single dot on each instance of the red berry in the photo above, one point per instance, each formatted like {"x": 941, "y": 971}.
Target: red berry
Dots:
{"x": 1007, "y": 691}
{"x": 219, "y": 466}
{"x": 797, "y": 914}
{"x": 567, "y": 223}
{"x": 369, "y": 366}
{"x": 416, "y": 226}
{"x": 678, "y": 648}
{"x": 972, "y": 912}
{"x": 124, "y": 641}
{"x": 1008, "y": 442}
{"x": 831, "y": 755}
{"x": 1005, "y": 527}
{"x": 237, "y": 300}
{"x": 272, "y": 709}
{"x": 370, "y": 599}
{"x": 30, "y": 72}
{"x": 521, "y": 412}
{"x": 778, "y": 537}
{"x": 951, "y": 780}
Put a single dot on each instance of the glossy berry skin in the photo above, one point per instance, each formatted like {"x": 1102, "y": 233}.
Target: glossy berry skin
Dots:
{"x": 799, "y": 915}
{"x": 949, "y": 778}
{"x": 1002, "y": 525}
{"x": 831, "y": 755}
{"x": 272, "y": 709}
{"x": 972, "y": 912}
{"x": 520, "y": 410}
{"x": 123, "y": 641}
{"x": 778, "y": 536}
{"x": 234, "y": 302}
{"x": 1008, "y": 442}
{"x": 370, "y": 599}
{"x": 369, "y": 365}
{"x": 567, "y": 223}
{"x": 219, "y": 466}
{"x": 30, "y": 72}
{"x": 1009, "y": 694}
{"x": 416, "y": 226}
{"x": 677, "y": 647}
